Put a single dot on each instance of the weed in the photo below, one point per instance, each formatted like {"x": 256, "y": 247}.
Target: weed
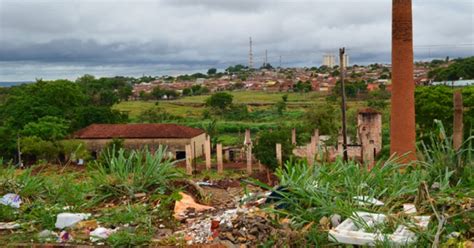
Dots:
{"x": 124, "y": 238}
{"x": 140, "y": 171}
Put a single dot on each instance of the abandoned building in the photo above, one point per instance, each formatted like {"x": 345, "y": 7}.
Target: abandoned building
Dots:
{"x": 136, "y": 136}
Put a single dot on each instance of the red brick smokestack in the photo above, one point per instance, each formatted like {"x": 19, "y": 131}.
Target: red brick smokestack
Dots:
{"x": 402, "y": 126}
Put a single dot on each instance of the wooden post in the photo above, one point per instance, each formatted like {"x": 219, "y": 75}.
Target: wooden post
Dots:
{"x": 189, "y": 160}
{"x": 293, "y": 136}
{"x": 458, "y": 117}
{"x": 220, "y": 166}
{"x": 207, "y": 151}
{"x": 278, "y": 155}
{"x": 309, "y": 154}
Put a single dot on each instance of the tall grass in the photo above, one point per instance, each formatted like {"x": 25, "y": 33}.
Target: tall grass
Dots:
{"x": 125, "y": 174}
{"x": 444, "y": 164}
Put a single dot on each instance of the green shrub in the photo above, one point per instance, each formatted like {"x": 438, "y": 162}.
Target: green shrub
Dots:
{"x": 124, "y": 174}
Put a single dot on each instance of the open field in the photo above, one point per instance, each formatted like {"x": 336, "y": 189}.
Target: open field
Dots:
{"x": 192, "y": 106}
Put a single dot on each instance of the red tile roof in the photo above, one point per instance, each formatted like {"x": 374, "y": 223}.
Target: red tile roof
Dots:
{"x": 107, "y": 131}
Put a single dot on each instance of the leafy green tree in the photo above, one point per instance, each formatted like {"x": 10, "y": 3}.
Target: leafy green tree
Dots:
{"x": 47, "y": 128}
{"x": 433, "y": 103}
{"x": 325, "y": 118}
{"x": 73, "y": 149}
{"x": 87, "y": 115}
{"x": 461, "y": 68}
{"x": 220, "y": 101}
{"x": 34, "y": 148}
{"x": 265, "y": 147}
{"x": 156, "y": 115}
{"x": 211, "y": 71}
{"x": 28, "y": 103}
{"x": 302, "y": 87}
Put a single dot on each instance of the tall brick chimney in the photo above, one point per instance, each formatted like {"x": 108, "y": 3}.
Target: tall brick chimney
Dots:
{"x": 402, "y": 128}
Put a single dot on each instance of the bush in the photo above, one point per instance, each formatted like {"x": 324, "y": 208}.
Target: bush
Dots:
{"x": 140, "y": 171}
{"x": 265, "y": 147}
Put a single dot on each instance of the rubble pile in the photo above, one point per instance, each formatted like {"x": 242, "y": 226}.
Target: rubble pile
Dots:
{"x": 249, "y": 227}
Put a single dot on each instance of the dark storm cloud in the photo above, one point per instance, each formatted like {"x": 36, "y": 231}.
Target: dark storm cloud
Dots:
{"x": 189, "y": 35}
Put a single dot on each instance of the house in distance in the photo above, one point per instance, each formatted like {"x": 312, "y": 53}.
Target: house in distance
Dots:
{"x": 136, "y": 136}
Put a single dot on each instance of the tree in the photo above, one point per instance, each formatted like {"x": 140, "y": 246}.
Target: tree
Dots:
{"x": 47, "y": 128}
{"x": 211, "y": 71}
{"x": 265, "y": 147}
{"x": 302, "y": 87}
{"x": 34, "y": 148}
{"x": 325, "y": 118}
{"x": 28, "y": 103}
{"x": 220, "y": 101}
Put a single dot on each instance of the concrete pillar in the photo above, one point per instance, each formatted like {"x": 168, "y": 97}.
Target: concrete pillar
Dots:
{"x": 278, "y": 155}
{"x": 260, "y": 166}
{"x": 189, "y": 160}
{"x": 248, "y": 139}
{"x": 316, "y": 138}
{"x": 313, "y": 145}
{"x": 220, "y": 166}
{"x": 309, "y": 154}
{"x": 293, "y": 136}
{"x": 227, "y": 155}
{"x": 402, "y": 126}
{"x": 249, "y": 159}
{"x": 207, "y": 152}
{"x": 457, "y": 122}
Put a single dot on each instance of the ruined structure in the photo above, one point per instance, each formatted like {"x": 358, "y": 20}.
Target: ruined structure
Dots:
{"x": 369, "y": 131}
{"x": 137, "y": 136}
{"x": 402, "y": 128}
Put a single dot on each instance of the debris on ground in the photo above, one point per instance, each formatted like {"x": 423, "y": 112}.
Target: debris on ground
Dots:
{"x": 101, "y": 233}
{"x": 64, "y": 236}
{"x": 48, "y": 235}
{"x": 367, "y": 200}
{"x": 187, "y": 205}
{"x": 360, "y": 230}
{"x": 9, "y": 225}
{"x": 69, "y": 219}
{"x": 12, "y": 200}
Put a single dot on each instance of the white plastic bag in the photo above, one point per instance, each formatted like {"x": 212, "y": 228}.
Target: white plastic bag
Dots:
{"x": 68, "y": 219}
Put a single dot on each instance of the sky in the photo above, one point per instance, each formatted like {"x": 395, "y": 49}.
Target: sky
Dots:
{"x": 53, "y": 39}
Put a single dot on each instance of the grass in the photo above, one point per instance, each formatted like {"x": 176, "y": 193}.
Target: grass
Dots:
{"x": 317, "y": 192}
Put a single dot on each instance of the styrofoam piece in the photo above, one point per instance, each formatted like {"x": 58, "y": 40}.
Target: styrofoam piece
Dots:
{"x": 367, "y": 200}
{"x": 348, "y": 232}
{"x": 68, "y": 219}
{"x": 409, "y": 208}
{"x": 12, "y": 200}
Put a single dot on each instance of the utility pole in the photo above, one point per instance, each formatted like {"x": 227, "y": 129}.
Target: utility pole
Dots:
{"x": 250, "y": 54}
{"x": 343, "y": 103}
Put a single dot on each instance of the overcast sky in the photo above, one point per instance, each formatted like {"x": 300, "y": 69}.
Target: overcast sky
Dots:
{"x": 67, "y": 38}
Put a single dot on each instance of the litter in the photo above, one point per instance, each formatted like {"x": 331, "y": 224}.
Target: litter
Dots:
{"x": 9, "y": 225}
{"x": 101, "y": 233}
{"x": 366, "y": 200}
{"x": 186, "y": 202}
{"x": 68, "y": 219}
{"x": 12, "y": 200}
{"x": 409, "y": 208}
{"x": 348, "y": 232}
{"x": 47, "y": 234}
{"x": 204, "y": 183}
{"x": 64, "y": 237}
